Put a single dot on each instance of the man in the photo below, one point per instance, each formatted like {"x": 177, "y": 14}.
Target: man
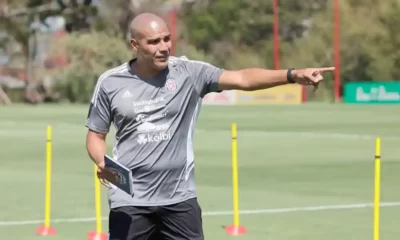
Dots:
{"x": 153, "y": 101}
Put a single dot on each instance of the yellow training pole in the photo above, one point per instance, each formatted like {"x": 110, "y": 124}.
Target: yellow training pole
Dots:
{"x": 377, "y": 187}
{"x": 235, "y": 178}
{"x": 235, "y": 228}
{"x": 97, "y": 201}
{"x": 46, "y": 229}
{"x": 97, "y": 234}
{"x": 48, "y": 177}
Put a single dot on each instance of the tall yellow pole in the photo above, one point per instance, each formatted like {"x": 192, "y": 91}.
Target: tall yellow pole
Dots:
{"x": 377, "y": 187}
{"x": 48, "y": 177}
{"x": 46, "y": 229}
{"x": 235, "y": 228}
{"x": 235, "y": 177}
{"x": 97, "y": 194}
{"x": 97, "y": 234}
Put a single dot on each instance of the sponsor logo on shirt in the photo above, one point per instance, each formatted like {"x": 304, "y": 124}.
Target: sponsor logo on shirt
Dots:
{"x": 148, "y": 108}
{"x": 150, "y": 127}
{"x": 148, "y": 102}
{"x": 153, "y": 138}
{"x": 145, "y": 118}
{"x": 151, "y": 132}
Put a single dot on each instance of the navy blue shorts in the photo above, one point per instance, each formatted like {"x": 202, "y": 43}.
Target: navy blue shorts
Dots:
{"x": 181, "y": 221}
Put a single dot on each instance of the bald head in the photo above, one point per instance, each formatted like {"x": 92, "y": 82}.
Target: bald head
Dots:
{"x": 145, "y": 23}
{"x": 151, "y": 41}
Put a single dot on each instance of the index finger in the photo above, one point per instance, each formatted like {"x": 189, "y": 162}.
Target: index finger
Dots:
{"x": 326, "y": 69}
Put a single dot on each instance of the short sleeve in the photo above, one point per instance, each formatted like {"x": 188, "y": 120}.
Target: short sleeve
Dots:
{"x": 204, "y": 75}
{"x": 99, "y": 114}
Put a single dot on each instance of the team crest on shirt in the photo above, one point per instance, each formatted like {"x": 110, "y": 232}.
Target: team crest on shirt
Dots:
{"x": 170, "y": 85}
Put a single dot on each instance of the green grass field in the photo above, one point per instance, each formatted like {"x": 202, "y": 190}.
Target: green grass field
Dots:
{"x": 290, "y": 158}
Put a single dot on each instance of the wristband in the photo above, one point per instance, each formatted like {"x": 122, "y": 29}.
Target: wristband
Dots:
{"x": 289, "y": 76}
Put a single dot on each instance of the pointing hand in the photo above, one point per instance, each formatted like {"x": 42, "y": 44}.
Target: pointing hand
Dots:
{"x": 310, "y": 76}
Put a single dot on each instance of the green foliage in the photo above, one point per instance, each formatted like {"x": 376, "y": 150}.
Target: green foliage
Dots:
{"x": 239, "y": 33}
{"x": 229, "y": 20}
{"x": 90, "y": 54}
{"x": 192, "y": 52}
{"x": 225, "y": 28}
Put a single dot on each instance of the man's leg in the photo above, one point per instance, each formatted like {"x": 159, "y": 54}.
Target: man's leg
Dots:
{"x": 132, "y": 223}
{"x": 181, "y": 221}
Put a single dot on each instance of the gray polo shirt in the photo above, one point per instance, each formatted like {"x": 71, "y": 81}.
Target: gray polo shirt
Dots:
{"x": 154, "y": 121}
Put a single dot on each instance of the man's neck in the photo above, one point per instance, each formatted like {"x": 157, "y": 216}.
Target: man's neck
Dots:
{"x": 143, "y": 70}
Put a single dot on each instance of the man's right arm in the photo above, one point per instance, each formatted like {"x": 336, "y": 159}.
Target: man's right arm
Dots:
{"x": 96, "y": 147}
{"x": 98, "y": 122}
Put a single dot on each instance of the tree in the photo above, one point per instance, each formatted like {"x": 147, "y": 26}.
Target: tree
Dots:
{"x": 230, "y": 25}
{"x": 77, "y": 80}
{"x": 238, "y": 33}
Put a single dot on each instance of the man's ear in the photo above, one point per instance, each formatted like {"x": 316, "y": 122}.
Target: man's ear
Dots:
{"x": 134, "y": 45}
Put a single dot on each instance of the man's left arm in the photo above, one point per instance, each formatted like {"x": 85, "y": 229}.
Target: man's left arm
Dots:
{"x": 251, "y": 79}
{"x": 209, "y": 78}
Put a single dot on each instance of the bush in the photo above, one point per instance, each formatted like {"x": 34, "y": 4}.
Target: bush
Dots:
{"x": 89, "y": 55}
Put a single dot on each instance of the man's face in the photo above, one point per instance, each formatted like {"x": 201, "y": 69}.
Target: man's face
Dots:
{"x": 153, "y": 45}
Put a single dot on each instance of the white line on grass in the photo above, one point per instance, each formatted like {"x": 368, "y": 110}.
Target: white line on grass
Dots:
{"x": 221, "y": 213}
{"x": 348, "y": 136}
